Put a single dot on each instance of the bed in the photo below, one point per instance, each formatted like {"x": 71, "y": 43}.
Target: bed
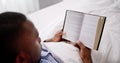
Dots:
{"x": 50, "y": 19}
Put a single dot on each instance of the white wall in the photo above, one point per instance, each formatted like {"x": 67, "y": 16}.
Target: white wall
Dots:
{"x": 46, "y": 3}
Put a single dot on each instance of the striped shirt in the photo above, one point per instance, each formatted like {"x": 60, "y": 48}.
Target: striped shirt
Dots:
{"x": 48, "y": 57}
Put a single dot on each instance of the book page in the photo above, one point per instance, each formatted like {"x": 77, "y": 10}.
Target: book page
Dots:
{"x": 72, "y": 25}
{"x": 88, "y": 30}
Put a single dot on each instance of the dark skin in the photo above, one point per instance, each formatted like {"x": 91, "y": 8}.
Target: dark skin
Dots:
{"x": 28, "y": 44}
{"x": 85, "y": 53}
{"x": 30, "y": 47}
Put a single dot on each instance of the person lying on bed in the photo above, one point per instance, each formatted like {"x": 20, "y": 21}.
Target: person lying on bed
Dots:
{"x": 20, "y": 42}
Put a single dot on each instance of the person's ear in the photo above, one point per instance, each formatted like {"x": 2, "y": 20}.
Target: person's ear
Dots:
{"x": 21, "y": 58}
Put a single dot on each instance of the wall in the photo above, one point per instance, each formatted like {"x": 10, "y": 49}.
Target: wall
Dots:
{"x": 46, "y": 3}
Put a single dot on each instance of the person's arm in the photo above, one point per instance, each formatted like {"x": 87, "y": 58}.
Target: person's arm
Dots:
{"x": 57, "y": 37}
{"x": 85, "y": 53}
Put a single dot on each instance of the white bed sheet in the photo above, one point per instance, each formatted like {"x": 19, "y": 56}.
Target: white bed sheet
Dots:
{"x": 65, "y": 52}
{"x": 50, "y": 19}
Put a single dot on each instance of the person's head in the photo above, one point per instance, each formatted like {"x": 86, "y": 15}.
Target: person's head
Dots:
{"x": 19, "y": 41}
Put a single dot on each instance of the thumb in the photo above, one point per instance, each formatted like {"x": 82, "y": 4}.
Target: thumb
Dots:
{"x": 81, "y": 45}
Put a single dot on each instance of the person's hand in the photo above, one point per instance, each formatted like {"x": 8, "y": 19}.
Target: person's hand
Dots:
{"x": 85, "y": 53}
{"x": 57, "y": 37}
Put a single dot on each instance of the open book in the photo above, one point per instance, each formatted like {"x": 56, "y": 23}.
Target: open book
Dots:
{"x": 84, "y": 27}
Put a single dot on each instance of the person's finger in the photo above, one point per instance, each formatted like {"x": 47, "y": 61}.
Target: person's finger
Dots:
{"x": 61, "y": 33}
{"x": 58, "y": 33}
{"x": 76, "y": 44}
{"x": 81, "y": 45}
